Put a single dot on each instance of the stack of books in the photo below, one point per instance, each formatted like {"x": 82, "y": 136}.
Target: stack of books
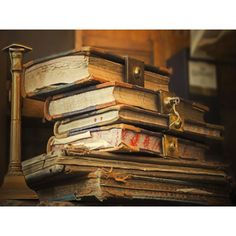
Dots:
{"x": 120, "y": 134}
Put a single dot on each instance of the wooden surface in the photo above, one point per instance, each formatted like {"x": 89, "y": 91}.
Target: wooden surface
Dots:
{"x": 151, "y": 46}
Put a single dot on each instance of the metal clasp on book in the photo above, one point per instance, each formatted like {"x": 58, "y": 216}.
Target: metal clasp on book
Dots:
{"x": 175, "y": 121}
{"x": 170, "y": 146}
{"x": 134, "y": 71}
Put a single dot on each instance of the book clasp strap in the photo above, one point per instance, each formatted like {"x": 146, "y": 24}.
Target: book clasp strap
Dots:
{"x": 175, "y": 121}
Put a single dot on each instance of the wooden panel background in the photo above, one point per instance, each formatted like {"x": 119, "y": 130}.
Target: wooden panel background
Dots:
{"x": 151, "y": 46}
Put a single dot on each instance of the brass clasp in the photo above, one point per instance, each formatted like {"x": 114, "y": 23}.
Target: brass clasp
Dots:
{"x": 170, "y": 146}
{"x": 134, "y": 71}
{"x": 168, "y": 104}
{"x": 175, "y": 120}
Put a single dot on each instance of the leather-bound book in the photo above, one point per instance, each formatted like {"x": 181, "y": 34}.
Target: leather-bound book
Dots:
{"x": 125, "y": 138}
{"x": 70, "y": 70}
{"x": 59, "y": 177}
{"x": 149, "y": 120}
{"x": 111, "y": 93}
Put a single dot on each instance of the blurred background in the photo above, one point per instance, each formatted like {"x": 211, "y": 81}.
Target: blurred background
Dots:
{"x": 203, "y": 63}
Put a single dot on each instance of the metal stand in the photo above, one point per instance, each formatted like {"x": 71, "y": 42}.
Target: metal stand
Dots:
{"x": 14, "y": 185}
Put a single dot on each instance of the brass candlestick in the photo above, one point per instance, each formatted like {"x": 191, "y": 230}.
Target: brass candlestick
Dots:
{"x": 14, "y": 185}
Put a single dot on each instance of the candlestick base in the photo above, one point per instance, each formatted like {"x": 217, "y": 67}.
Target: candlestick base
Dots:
{"x": 15, "y": 188}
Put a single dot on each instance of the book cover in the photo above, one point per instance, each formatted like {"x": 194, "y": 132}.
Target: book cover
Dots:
{"x": 74, "y": 178}
{"x": 112, "y": 93}
{"x": 128, "y": 139}
{"x": 70, "y": 70}
{"x": 153, "y": 121}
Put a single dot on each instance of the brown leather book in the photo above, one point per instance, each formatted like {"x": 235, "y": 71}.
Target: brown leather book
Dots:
{"x": 214, "y": 172}
{"x": 102, "y": 185}
{"x": 111, "y": 93}
{"x": 135, "y": 116}
{"x": 60, "y": 177}
{"x": 70, "y": 70}
{"x": 126, "y": 139}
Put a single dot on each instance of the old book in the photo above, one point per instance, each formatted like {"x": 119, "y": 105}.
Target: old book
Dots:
{"x": 127, "y": 138}
{"x": 103, "y": 185}
{"x": 147, "y": 163}
{"x": 43, "y": 167}
{"x": 135, "y": 116}
{"x": 60, "y": 177}
{"x": 68, "y": 71}
{"x": 112, "y": 93}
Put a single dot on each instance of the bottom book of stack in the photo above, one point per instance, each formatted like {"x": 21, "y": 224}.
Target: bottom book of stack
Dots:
{"x": 104, "y": 176}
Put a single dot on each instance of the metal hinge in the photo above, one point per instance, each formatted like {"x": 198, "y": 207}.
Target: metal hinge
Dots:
{"x": 134, "y": 71}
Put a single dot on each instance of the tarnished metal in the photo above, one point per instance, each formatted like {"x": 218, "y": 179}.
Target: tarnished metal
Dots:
{"x": 170, "y": 146}
{"x": 14, "y": 186}
{"x": 16, "y": 52}
{"x": 168, "y": 106}
{"x": 134, "y": 71}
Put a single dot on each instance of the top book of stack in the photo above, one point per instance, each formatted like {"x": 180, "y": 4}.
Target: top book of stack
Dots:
{"x": 68, "y": 71}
